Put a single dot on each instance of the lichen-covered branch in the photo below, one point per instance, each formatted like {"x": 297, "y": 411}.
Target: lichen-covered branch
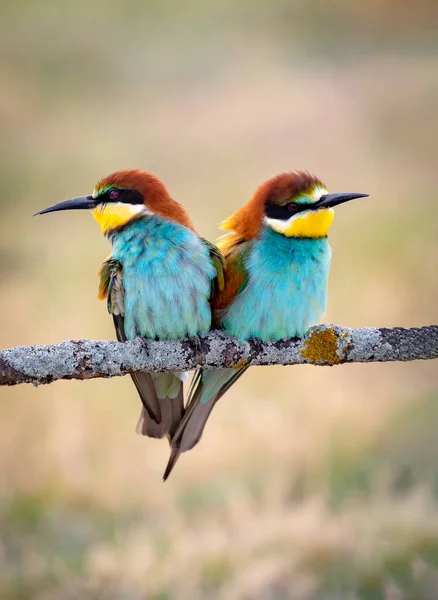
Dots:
{"x": 323, "y": 345}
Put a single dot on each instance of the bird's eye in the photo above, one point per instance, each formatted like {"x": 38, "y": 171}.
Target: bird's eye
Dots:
{"x": 291, "y": 207}
{"x": 113, "y": 194}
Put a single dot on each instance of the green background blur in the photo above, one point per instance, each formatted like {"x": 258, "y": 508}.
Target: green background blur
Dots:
{"x": 310, "y": 483}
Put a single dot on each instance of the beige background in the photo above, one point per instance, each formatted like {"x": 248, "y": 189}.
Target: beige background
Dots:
{"x": 308, "y": 481}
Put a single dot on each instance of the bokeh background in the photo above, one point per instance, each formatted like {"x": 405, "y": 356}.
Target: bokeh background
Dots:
{"x": 310, "y": 483}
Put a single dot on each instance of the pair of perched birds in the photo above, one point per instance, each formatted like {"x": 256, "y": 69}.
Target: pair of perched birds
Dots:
{"x": 266, "y": 278}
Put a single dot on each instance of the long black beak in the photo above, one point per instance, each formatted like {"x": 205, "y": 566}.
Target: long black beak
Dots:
{"x": 330, "y": 200}
{"x": 80, "y": 202}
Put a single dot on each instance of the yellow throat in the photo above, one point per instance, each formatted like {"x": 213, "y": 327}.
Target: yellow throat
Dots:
{"x": 114, "y": 215}
{"x": 313, "y": 224}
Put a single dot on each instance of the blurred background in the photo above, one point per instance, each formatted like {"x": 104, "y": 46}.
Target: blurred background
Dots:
{"x": 310, "y": 483}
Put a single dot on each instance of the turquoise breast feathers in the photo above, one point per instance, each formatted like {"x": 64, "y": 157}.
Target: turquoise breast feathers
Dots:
{"x": 286, "y": 291}
{"x": 167, "y": 273}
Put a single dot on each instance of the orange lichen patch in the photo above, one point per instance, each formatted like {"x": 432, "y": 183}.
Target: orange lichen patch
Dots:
{"x": 322, "y": 347}
{"x": 240, "y": 364}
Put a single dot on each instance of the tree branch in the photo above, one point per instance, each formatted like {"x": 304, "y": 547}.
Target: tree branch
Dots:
{"x": 323, "y": 345}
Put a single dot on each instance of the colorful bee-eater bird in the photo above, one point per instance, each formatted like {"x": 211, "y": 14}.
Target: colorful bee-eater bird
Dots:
{"x": 276, "y": 270}
{"x": 158, "y": 280}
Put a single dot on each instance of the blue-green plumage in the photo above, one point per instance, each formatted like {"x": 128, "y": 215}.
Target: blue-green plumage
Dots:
{"x": 167, "y": 274}
{"x": 286, "y": 288}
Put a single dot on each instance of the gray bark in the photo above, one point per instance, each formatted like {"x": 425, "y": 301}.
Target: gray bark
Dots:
{"x": 323, "y": 345}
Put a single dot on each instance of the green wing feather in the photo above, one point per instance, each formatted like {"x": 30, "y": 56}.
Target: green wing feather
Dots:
{"x": 218, "y": 260}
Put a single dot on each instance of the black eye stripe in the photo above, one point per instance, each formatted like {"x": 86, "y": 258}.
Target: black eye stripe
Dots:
{"x": 275, "y": 211}
{"x": 123, "y": 195}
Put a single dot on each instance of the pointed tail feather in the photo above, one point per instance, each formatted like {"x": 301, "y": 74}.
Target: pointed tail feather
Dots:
{"x": 172, "y": 410}
{"x": 174, "y": 455}
{"x": 207, "y": 388}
